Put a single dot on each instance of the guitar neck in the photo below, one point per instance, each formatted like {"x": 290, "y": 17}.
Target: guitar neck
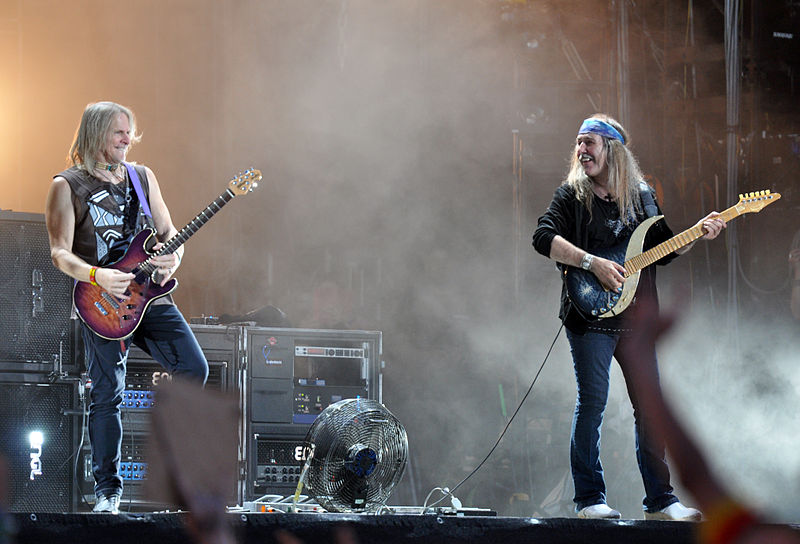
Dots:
{"x": 678, "y": 241}
{"x": 194, "y": 225}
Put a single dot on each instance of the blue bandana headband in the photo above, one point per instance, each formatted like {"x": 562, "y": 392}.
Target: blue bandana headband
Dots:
{"x": 602, "y": 128}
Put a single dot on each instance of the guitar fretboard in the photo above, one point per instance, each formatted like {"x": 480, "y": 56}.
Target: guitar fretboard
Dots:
{"x": 688, "y": 236}
{"x": 186, "y": 232}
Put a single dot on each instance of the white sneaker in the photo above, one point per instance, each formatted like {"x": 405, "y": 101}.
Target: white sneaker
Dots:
{"x": 107, "y": 503}
{"x": 598, "y": 511}
{"x": 675, "y": 512}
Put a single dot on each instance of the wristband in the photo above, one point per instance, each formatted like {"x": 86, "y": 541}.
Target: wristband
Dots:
{"x": 92, "y": 274}
{"x": 586, "y": 262}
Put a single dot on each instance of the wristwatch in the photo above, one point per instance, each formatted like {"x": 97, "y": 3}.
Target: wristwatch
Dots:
{"x": 586, "y": 262}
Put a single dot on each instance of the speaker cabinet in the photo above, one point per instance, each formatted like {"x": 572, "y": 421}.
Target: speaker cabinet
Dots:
{"x": 35, "y": 297}
{"x": 38, "y": 431}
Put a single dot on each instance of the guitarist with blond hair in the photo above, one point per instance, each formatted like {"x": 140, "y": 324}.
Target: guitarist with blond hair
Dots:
{"x": 94, "y": 210}
{"x": 598, "y": 206}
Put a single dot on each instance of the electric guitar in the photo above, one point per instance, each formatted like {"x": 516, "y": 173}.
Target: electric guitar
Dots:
{"x": 116, "y": 319}
{"x": 594, "y": 302}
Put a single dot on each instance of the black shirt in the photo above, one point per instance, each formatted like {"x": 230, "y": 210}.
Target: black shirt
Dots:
{"x": 568, "y": 217}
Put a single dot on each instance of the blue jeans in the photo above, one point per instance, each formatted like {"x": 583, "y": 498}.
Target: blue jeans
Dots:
{"x": 167, "y": 338}
{"x": 591, "y": 356}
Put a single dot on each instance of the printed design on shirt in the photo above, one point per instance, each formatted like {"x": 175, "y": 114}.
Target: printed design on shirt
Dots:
{"x": 620, "y": 229}
{"x": 102, "y": 247}
{"x": 108, "y": 225}
{"x": 99, "y": 196}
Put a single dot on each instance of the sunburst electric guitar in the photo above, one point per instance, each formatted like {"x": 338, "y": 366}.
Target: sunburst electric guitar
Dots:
{"x": 594, "y": 302}
{"x": 116, "y": 319}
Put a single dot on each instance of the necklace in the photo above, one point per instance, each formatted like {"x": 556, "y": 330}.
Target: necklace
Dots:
{"x": 121, "y": 192}
{"x": 608, "y": 197}
{"x": 106, "y": 166}
{"x": 110, "y": 172}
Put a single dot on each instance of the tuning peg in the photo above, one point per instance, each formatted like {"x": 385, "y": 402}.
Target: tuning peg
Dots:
{"x": 768, "y": 191}
{"x": 741, "y": 196}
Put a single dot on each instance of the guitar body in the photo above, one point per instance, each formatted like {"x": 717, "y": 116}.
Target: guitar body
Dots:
{"x": 107, "y": 315}
{"x": 116, "y": 319}
{"x": 589, "y": 297}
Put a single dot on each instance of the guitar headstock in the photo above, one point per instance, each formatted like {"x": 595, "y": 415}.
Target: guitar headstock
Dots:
{"x": 246, "y": 181}
{"x": 755, "y": 202}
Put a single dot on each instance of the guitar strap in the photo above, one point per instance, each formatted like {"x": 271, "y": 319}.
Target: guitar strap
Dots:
{"x": 645, "y": 193}
{"x": 137, "y": 185}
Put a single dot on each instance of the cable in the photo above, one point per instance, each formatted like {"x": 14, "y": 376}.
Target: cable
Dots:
{"x": 125, "y": 418}
{"x": 446, "y": 493}
{"x": 82, "y": 394}
{"x": 449, "y": 493}
{"x": 754, "y": 287}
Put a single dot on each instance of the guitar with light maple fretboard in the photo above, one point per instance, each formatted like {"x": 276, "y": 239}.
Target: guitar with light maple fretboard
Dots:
{"x": 594, "y": 302}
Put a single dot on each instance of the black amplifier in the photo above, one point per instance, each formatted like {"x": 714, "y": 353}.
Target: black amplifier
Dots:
{"x": 133, "y": 470}
{"x": 219, "y": 345}
{"x": 35, "y": 299}
{"x": 279, "y": 460}
{"x": 143, "y": 375}
{"x": 292, "y": 375}
{"x": 39, "y": 429}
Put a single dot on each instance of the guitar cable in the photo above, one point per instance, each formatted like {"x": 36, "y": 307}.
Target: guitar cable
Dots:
{"x": 450, "y": 492}
{"x": 84, "y": 408}
{"x": 754, "y": 287}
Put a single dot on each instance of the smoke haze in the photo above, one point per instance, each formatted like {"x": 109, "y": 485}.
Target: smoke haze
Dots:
{"x": 384, "y": 133}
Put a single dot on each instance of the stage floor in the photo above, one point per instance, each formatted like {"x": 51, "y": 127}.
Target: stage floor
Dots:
{"x": 166, "y": 528}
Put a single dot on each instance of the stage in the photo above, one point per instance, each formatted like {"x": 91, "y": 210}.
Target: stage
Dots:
{"x": 256, "y": 527}
{"x": 167, "y": 528}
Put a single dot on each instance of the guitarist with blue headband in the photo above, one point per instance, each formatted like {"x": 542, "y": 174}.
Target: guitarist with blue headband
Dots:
{"x": 598, "y": 207}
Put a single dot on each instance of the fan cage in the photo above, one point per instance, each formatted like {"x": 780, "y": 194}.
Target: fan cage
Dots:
{"x": 355, "y": 425}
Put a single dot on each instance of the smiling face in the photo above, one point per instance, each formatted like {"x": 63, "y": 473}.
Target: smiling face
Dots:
{"x": 591, "y": 153}
{"x": 117, "y": 141}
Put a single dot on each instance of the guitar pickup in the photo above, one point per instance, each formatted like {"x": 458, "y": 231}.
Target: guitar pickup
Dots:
{"x": 110, "y": 300}
{"x": 100, "y": 307}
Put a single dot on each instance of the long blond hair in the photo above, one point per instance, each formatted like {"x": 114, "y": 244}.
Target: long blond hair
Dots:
{"x": 624, "y": 175}
{"x": 90, "y": 136}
